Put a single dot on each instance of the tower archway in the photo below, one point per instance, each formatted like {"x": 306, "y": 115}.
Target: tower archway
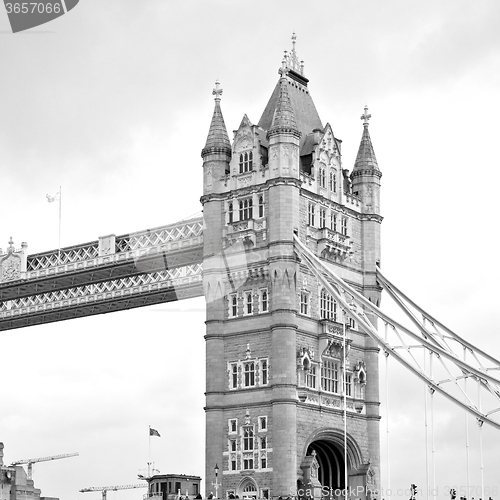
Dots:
{"x": 327, "y": 447}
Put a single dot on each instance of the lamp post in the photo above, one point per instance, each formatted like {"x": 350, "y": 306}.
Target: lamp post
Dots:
{"x": 216, "y": 484}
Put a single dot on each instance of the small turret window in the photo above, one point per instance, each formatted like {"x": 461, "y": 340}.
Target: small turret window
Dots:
{"x": 230, "y": 213}
{"x": 261, "y": 206}
{"x": 246, "y": 162}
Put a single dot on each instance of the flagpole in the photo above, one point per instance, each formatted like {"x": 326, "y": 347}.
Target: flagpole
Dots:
{"x": 149, "y": 454}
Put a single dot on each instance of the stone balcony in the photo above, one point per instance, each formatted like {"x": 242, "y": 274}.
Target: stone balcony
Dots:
{"x": 332, "y": 245}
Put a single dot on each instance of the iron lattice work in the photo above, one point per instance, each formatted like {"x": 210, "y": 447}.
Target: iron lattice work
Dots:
{"x": 107, "y": 296}
{"x": 179, "y": 235}
{"x": 445, "y": 362}
{"x": 110, "y": 258}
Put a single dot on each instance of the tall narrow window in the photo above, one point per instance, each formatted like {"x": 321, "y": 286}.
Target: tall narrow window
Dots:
{"x": 233, "y": 305}
{"x": 232, "y": 445}
{"x": 230, "y": 212}
{"x": 263, "y": 375}
{"x": 249, "y": 374}
{"x": 333, "y": 221}
{"x": 348, "y": 384}
{"x": 322, "y": 217}
{"x": 263, "y": 301}
{"x": 234, "y": 376}
{"x": 249, "y": 303}
{"x": 327, "y": 306}
{"x": 322, "y": 177}
{"x": 247, "y": 439}
{"x": 246, "y": 211}
{"x": 261, "y": 206}
{"x": 333, "y": 182}
{"x": 330, "y": 376}
{"x": 242, "y": 163}
{"x": 344, "y": 225}
{"x": 263, "y": 442}
{"x": 304, "y": 303}
{"x": 311, "y": 377}
{"x": 311, "y": 208}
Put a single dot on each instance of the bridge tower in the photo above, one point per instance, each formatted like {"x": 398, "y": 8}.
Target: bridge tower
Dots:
{"x": 274, "y": 336}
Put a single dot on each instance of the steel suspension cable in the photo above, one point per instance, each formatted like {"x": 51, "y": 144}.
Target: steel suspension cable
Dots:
{"x": 386, "y": 353}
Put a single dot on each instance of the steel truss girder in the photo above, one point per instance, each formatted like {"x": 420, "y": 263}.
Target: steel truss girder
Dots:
{"x": 115, "y": 295}
{"x": 356, "y": 306}
{"x": 102, "y": 269}
{"x": 155, "y": 249}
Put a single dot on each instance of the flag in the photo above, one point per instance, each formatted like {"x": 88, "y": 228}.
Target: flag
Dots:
{"x": 51, "y": 199}
{"x": 153, "y": 432}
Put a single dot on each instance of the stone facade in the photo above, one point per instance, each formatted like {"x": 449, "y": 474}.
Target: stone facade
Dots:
{"x": 275, "y": 337}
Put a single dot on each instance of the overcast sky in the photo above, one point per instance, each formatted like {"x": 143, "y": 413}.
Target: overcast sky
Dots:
{"x": 113, "y": 102}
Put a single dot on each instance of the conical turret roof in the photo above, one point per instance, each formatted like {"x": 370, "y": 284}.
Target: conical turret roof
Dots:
{"x": 217, "y": 139}
{"x": 283, "y": 118}
{"x": 366, "y": 159}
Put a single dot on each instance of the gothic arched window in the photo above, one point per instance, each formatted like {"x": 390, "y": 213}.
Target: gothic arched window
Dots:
{"x": 246, "y": 162}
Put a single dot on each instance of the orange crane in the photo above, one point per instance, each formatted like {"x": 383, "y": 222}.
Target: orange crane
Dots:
{"x": 31, "y": 461}
{"x": 105, "y": 489}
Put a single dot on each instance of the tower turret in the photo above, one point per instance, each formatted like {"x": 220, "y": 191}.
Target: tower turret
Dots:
{"x": 366, "y": 173}
{"x": 217, "y": 151}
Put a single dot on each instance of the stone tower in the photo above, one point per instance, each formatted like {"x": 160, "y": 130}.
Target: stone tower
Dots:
{"x": 274, "y": 336}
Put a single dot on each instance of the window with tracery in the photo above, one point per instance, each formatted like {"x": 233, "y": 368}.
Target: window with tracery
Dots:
{"x": 247, "y": 439}
{"x": 230, "y": 213}
{"x": 246, "y": 160}
{"x": 249, "y": 374}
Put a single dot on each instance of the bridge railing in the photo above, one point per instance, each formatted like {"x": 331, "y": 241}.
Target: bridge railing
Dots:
{"x": 106, "y": 249}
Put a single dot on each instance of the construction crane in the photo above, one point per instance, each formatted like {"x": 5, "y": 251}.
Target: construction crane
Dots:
{"x": 105, "y": 489}
{"x": 31, "y": 461}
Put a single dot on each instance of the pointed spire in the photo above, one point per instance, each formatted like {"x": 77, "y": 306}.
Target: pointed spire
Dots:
{"x": 366, "y": 159}
{"x": 283, "y": 118}
{"x": 217, "y": 139}
{"x": 291, "y": 61}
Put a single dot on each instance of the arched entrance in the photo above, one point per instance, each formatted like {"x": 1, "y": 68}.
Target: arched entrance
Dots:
{"x": 248, "y": 489}
{"x": 331, "y": 472}
{"x": 324, "y": 464}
